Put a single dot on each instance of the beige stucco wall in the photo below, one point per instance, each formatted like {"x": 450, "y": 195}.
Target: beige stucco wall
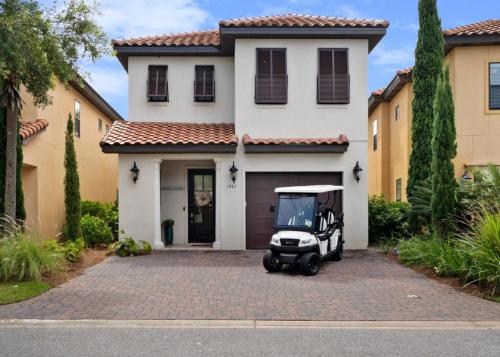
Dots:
{"x": 478, "y": 128}
{"x": 44, "y": 160}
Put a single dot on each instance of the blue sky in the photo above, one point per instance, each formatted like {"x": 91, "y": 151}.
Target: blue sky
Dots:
{"x": 125, "y": 18}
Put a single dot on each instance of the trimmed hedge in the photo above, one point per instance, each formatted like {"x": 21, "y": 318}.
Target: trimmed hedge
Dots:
{"x": 95, "y": 231}
{"x": 387, "y": 220}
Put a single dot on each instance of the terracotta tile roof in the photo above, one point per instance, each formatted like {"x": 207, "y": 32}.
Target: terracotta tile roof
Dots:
{"x": 342, "y": 139}
{"x": 378, "y": 92}
{"x": 405, "y": 71}
{"x": 141, "y": 133}
{"x": 487, "y": 27}
{"x": 197, "y": 38}
{"x": 297, "y": 20}
{"x": 30, "y": 128}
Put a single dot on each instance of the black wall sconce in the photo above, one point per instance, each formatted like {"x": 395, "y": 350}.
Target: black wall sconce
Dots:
{"x": 134, "y": 173}
{"x": 356, "y": 171}
{"x": 233, "y": 170}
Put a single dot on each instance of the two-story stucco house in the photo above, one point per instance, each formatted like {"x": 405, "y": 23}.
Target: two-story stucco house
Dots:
{"x": 282, "y": 99}
{"x": 473, "y": 55}
{"x": 43, "y": 133}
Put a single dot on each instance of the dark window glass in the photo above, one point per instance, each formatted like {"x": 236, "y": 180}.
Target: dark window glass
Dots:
{"x": 157, "y": 84}
{"x": 204, "y": 84}
{"x": 333, "y": 76}
{"x": 494, "y": 86}
{"x": 375, "y": 135}
{"x": 271, "y": 85}
{"x": 77, "y": 118}
{"x": 295, "y": 211}
{"x": 99, "y": 124}
{"x": 396, "y": 113}
{"x": 398, "y": 189}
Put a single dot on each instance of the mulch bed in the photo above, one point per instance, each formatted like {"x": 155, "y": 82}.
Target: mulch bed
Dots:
{"x": 448, "y": 280}
{"x": 88, "y": 259}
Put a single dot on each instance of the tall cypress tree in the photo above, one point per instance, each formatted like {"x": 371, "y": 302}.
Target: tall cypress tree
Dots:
{"x": 444, "y": 149}
{"x": 72, "y": 229}
{"x": 428, "y": 63}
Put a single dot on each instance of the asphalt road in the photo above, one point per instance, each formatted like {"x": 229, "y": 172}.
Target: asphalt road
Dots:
{"x": 146, "y": 341}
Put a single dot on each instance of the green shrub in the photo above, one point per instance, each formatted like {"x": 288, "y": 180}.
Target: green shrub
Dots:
{"x": 95, "y": 231}
{"x": 26, "y": 258}
{"x": 387, "y": 220}
{"x": 71, "y": 250}
{"x": 128, "y": 247}
{"x": 108, "y": 212}
{"x": 482, "y": 245}
{"x": 443, "y": 255}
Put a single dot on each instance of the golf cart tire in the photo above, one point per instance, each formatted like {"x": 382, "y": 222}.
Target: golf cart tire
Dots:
{"x": 310, "y": 263}
{"x": 271, "y": 262}
{"x": 337, "y": 256}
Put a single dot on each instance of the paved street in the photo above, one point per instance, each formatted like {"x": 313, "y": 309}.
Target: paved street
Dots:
{"x": 235, "y": 286}
{"x": 127, "y": 341}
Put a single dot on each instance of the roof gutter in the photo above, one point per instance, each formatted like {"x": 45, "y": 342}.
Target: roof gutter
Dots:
{"x": 95, "y": 98}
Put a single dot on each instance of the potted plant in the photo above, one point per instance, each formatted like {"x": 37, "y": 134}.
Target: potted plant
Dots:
{"x": 168, "y": 225}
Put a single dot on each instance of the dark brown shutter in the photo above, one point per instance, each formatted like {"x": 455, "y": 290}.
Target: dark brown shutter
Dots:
{"x": 204, "y": 84}
{"x": 271, "y": 78}
{"x": 157, "y": 84}
{"x": 325, "y": 77}
{"x": 333, "y": 76}
{"x": 341, "y": 73}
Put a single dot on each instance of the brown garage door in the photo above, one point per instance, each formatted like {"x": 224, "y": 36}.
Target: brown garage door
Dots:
{"x": 260, "y": 195}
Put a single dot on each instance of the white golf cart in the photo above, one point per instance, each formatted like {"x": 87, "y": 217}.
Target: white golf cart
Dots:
{"x": 307, "y": 230}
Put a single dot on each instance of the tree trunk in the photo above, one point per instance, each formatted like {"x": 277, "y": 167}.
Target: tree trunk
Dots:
{"x": 11, "y": 161}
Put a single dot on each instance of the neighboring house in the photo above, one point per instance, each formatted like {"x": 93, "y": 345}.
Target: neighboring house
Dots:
{"x": 282, "y": 99}
{"x": 43, "y": 135}
{"x": 473, "y": 54}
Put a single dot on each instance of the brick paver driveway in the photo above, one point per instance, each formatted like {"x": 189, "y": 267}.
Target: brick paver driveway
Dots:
{"x": 234, "y": 285}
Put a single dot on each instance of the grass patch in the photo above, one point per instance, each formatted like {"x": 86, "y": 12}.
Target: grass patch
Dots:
{"x": 495, "y": 298}
{"x": 15, "y": 292}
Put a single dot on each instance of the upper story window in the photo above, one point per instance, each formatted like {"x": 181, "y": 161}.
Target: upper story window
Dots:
{"x": 157, "y": 84}
{"x": 494, "y": 86}
{"x": 397, "y": 113}
{"x": 204, "y": 84}
{"x": 77, "y": 118}
{"x": 375, "y": 135}
{"x": 99, "y": 125}
{"x": 399, "y": 185}
{"x": 271, "y": 81}
{"x": 333, "y": 76}
{"x": 107, "y": 128}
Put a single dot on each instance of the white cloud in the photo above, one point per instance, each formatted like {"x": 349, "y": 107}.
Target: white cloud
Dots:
{"x": 393, "y": 58}
{"x": 348, "y": 11}
{"x": 150, "y": 17}
{"x": 109, "y": 81}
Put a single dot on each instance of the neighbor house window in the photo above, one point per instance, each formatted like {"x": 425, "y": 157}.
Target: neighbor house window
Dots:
{"x": 157, "y": 84}
{"x": 99, "y": 124}
{"x": 271, "y": 78}
{"x": 204, "y": 84}
{"x": 375, "y": 135}
{"x": 494, "y": 86}
{"x": 396, "y": 113}
{"x": 398, "y": 189}
{"x": 77, "y": 118}
{"x": 107, "y": 128}
{"x": 333, "y": 76}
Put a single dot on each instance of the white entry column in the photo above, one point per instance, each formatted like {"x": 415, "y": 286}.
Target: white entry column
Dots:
{"x": 157, "y": 243}
{"x": 218, "y": 187}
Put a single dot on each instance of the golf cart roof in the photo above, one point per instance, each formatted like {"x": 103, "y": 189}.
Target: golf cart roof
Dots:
{"x": 308, "y": 189}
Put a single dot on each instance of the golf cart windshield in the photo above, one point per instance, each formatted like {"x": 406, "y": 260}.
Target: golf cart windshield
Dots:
{"x": 295, "y": 211}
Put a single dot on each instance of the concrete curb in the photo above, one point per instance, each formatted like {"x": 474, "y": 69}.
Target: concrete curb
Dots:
{"x": 260, "y": 324}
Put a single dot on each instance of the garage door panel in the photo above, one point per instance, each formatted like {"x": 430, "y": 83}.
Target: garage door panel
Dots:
{"x": 260, "y": 195}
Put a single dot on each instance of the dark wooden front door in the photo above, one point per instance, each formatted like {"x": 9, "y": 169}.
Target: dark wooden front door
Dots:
{"x": 201, "y": 206}
{"x": 260, "y": 196}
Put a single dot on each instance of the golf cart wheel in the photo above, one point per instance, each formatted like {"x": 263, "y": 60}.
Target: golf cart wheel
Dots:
{"x": 271, "y": 262}
{"x": 309, "y": 264}
{"x": 337, "y": 256}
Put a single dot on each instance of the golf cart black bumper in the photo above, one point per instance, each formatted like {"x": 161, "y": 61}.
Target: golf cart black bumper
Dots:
{"x": 290, "y": 255}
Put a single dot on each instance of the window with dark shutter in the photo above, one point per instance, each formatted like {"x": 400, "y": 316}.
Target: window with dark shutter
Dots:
{"x": 271, "y": 82}
{"x": 494, "y": 86}
{"x": 204, "y": 84}
{"x": 157, "y": 84}
{"x": 333, "y": 76}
